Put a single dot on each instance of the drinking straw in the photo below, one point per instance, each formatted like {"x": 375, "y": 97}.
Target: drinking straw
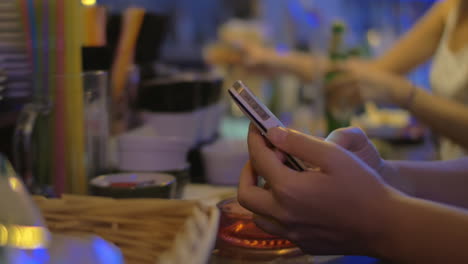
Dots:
{"x": 96, "y": 55}
{"x": 74, "y": 98}
{"x": 34, "y": 10}
{"x": 53, "y": 42}
{"x": 42, "y": 159}
{"x": 23, "y": 9}
{"x": 22, "y": 6}
{"x": 94, "y": 26}
{"x": 44, "y": 128}
{"x": 58, "y": 60}
{"x": 131, "y": 24}
{"x": 30, "y": 7}
{"x": 38, "y": 44}
{"x": 45, "y": 46}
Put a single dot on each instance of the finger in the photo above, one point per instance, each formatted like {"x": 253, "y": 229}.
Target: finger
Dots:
{"x": 264, "y": 159}
{"x": 356, "y": 141}
{"x": 350, "y": 138}
{"x": 344, "y": 98}
{"x": 270, "y": 226}
{"x": 254, "y": 130}
{"x": 340, "y": 81}
{"x": 255, "y": 138}
{"x": 234, "y": 42}
{"x": 259, "y": 70}
{"x": 252, "y": 197}
{"x": 338, "y": 66}
{"x": 280, "y": 155}
{"x": 356, "y": 97}
{"x": 307, "y": 148}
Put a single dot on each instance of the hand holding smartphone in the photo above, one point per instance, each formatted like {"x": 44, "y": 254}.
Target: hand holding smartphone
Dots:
{"x": 260, "y": 116}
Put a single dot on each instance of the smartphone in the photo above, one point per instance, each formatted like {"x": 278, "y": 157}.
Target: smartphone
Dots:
{"x": 260, "y": 116}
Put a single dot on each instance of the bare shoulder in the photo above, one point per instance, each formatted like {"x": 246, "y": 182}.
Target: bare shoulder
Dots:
{"x": 446, "y": 6}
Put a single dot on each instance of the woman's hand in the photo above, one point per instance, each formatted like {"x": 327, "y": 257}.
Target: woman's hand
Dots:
{"x": 258, "y": 58}
{"x": 255, "y": 57}
{"x": 342, "y": 209}
{"x": 358, "y": 81}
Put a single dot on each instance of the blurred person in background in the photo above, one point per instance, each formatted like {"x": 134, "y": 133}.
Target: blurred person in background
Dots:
{"x": 357, "y": 203}
{"x": 442, "y": 34}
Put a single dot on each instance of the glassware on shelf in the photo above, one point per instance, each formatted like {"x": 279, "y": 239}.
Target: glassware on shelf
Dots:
{"x": 61, "y": 136}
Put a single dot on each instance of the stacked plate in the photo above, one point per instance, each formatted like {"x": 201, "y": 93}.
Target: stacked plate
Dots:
{"x": 15, "y": 67}
{"x": 143, "y": 149}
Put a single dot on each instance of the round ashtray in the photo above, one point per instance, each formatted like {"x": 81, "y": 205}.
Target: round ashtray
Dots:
{"x": 237, "y": 228}
{"x": 134, "y": 185}
{"x": 182, "y": 176}
{"x": 240, "y": 238}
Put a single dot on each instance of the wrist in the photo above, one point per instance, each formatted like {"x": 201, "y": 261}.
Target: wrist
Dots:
{"x": 392, "y": 176}
{"x": 403, "y": 94}
{"x": 301, "y": 64}
{"x": 277, "y": 60}
{"x": 388, "y": 245}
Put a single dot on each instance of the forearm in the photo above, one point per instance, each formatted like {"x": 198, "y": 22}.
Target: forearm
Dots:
{"x": 441, "y": 181}
{"x": 419, "y": 231}
{"x": 408, "y": 53}
{"x": 446, "y": 117}
{"x": 304, "y": 65}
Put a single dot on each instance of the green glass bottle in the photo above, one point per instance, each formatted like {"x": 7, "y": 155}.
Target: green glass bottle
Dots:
{"x": 336, "y": 55}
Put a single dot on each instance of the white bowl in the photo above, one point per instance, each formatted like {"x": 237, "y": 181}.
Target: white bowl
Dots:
{"x": 151, "y": 161}
{"x": 223, "y": 161}
{"x": 146, "y": 139}
{"x": 143, "y": 150}
{"x": 184, "y": 125}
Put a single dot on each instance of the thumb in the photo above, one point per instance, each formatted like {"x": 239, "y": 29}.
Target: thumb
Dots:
{"x": 270, "y": 225}
{"x": 350, "y": 138}
{"x": 356, "y": 141}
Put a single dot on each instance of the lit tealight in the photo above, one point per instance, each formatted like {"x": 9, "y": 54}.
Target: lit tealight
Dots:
{"x": 14, "y": 183}
{"x": 24, "y": 237}
{"x": 88, "y": 2}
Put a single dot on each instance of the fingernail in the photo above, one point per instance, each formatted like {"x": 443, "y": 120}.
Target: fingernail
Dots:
{"x": 277, "y": 134}
{"x": 332, "y": 137}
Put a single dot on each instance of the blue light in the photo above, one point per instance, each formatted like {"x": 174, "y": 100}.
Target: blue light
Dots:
{"x": 41, "y": 255}
{"x": 36, "y": 256}
{"x": 358, "y": 260}
{"x": 105, "y": 253}
{"x": 298, "y": 13}
{"x": 282, "y": 49}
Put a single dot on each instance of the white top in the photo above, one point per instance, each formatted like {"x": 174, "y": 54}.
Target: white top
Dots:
{"x": 449, "y": 78}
